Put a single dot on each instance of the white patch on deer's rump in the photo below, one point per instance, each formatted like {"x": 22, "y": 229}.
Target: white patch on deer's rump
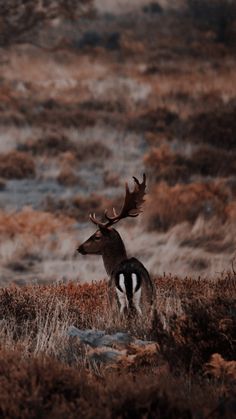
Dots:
{"x": 122, "y": 282}
{"x": 134, "y": 282}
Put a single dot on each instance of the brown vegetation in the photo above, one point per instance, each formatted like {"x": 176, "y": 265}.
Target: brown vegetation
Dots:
{"x": 16, "y": 165}
{"x": 55, "y": 144}
{"x": 165, "y": 88}
{"x": 52, "y": 144}
{"x": 217, "y": 127}
{"x": 67, "y": 177}
{"x": 163, "y": 164}
{"x": 155, "y": 120}
{"x": 78, "y": 207}
{"x": 19, "y": 19}
{"x": 218, "y": 16}
{"x": 170, "y": 205}
{"x": 47, "y": 113}
{"x": 30, "y": 222}
{"x": 195, "y": 321}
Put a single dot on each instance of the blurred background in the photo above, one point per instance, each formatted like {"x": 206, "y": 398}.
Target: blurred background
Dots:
{"x": 93, "y": 93}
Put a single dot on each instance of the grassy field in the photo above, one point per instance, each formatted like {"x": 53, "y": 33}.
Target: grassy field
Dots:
{"x": 139, "y": 88}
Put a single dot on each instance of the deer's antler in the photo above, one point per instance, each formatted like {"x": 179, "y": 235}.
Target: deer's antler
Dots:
{"x": 131, "y": 207}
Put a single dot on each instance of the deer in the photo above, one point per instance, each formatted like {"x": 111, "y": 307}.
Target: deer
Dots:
{"x": 129, "y": 280}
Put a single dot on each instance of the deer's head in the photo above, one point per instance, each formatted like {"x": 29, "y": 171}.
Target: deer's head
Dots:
{"x": 105, "y": 235}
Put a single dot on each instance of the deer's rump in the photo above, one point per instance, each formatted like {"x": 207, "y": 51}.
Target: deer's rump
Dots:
{"x": 133, "y": 286}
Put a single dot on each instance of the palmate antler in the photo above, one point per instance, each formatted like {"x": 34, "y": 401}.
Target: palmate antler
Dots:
{"x": 131, "y": 207}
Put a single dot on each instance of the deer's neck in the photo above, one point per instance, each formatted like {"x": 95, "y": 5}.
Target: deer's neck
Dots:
{"x": 113, "y": 255}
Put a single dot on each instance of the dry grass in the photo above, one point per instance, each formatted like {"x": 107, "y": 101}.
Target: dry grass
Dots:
{"x": 32, "y": 223}
{"x": 92, "y": 115}
{"x": 50, "y": 373}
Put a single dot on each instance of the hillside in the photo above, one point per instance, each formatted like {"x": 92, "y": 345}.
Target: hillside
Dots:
{"x": 85, "y": 104}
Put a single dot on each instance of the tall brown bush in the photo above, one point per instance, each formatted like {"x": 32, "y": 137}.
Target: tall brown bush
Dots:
{"x": 16, "y": 165}
{"x": 164, "y": 164}
{"x": 216, "y": 15}
{"x": 170, "y": 205}
{"x": 217, "y": 128}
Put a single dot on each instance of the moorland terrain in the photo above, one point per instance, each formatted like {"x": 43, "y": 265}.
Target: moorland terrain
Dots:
{"x": 84, "y": 106}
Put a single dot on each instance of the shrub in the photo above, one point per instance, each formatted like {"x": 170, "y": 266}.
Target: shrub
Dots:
{"x": 2, "y": 184}
{"x": 79, "y": 207}
{"x": 217, "y": 128}
{"x": 208, "y": 161}
{"x": 170, "y": 205}
{"x": 16, "y": 165}
{"x": 154, "y": 120}
{"x": 163, "y": 164}
{"x": 67, "y": 177}
{"x": 51, "y": 144}
{"x": 217, "y": 15}
{"x": 152, "y": 8}
{"x": 33, "y": 223}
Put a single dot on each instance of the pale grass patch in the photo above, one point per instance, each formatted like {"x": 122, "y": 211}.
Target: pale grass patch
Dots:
{"x": 164, "y": 253}
{"x": 12, "y": 136}
{"x": 51, "y": 338}
{"x": 194, "y": 84}
{"x": 46, "y": 335}
{"x": 9, "y": 248}
{"x": 168, "y": 306}
{"x": 124, "y": 89}
{"x": 8, "y": 339}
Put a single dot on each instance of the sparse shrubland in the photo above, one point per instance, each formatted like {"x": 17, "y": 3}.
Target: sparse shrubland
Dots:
{"x": 80, "y": 113}
{"x": 195, "y": 321}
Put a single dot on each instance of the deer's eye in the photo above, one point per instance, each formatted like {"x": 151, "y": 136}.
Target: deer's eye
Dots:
{"x": 97, "y": 238}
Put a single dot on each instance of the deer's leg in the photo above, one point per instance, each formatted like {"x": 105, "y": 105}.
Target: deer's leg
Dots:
{"x": 136, "y": 300}
{"x": 121, "y": 296}
{"x": 111, "y": 294}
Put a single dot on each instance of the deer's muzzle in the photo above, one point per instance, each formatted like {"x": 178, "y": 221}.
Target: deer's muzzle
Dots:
{"x": 81, "y": 250}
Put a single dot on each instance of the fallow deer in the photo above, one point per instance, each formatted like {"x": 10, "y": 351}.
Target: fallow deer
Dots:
{"x": 129, "y": 281}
